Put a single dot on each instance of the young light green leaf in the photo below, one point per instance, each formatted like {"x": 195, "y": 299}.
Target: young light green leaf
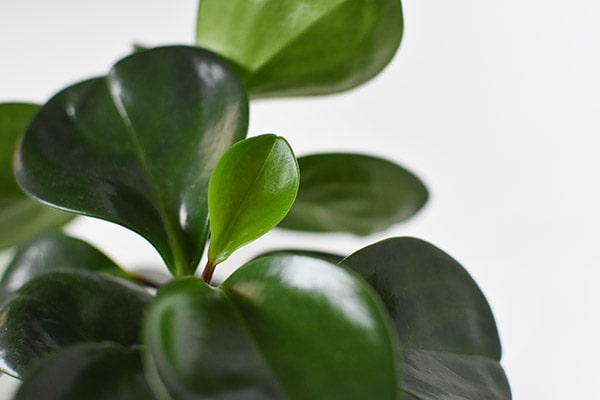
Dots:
{"x": 137, "y": 147}
{"x": 252, "y": 188}
{"x": 280, "y": 327}
{"x": 353, "y": 193}
{"x": 302, "y": 47}
{"x": 21, "y": 218}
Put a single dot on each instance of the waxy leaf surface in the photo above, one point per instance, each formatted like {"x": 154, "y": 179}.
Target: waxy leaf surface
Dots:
{"x": 51, "y": 252}
{"x": 280, "y": 327}
{"x": 252, "y": 188}
{"x": 442, "y": 320}
{"x": 90, "y": 371}
{"x": 21, "y": 218}
{"x": 137, "y": 147}
{"x": 302, "y": 47}
{"x": 353, "y": 193}
{"x": 61, "y": 308}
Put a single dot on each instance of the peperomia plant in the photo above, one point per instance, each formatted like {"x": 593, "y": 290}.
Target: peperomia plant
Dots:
{"x": 159, "y": 145}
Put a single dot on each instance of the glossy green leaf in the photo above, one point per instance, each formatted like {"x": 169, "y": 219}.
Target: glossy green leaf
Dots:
{"x": 252, "y": 188}
{"x": 20, "y": 217}
{"x": 302, "y": 47}
{"x": 90, "y": 371}
{"x": 441, "y": 317}
{"x": 50, "y": 252}
{"x": 280, "y": 327}
{"x": 353, "y": 193}
{"x": 61, "y": 308}
{"x": 137, "y": 147}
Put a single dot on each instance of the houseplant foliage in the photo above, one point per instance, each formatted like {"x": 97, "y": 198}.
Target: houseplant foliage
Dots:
{"x": 158, "y": 145}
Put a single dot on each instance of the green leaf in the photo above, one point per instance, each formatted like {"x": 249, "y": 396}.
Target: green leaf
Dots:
{"x": 280, "y": 327}
{"x": 353, "y": 193}
{"x": 252, "y": 188}
{"x": 91, "y": 371}
{"x": 434, "y": 375}
{"x": 441, "y": 318}
{"x": 61, "y": 308}
{"x": 137, "y": 147}
{"x": 20, "y": 217}
{"x": 302, "y": 47}
{"x": 51, "y": 252}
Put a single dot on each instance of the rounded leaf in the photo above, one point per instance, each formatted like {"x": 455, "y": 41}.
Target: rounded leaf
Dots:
{"x": 302, "y": 47}
{"x": 90, "y": 371}
{"x": 280, "y": 327}
{"x": 21, "y": 218}
{"x": 353, "y": 193}
{"x": 252, "y": 188}
{"x": 442, "y": 319}
{"x": 51, "y": 252}
{"x": 432, "y": 299}
{"x": 61, "y": 308}
{"x": 137, "y": 147}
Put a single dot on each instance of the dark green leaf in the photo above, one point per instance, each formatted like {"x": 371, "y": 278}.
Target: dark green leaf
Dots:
{"x": 440, "y": 316}
{"x": 91, "y": 371}
{"x": 433, "y": 375}
{"x": 302, "y": 47}
{"x": 137, "y": 147}
{"x": 65, "y": 307}
{"x": 252, "y": 188}
{"x": 353, "y": 193}
{"x": 281, "y": 327}
{"x": 20, "y": 217}
{"x": 51, "y": 252}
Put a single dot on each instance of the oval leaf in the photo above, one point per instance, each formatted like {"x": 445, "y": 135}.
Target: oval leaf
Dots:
{"x": 441, "y": 317}
{"x": 65, "y": 307}
{"x": 137, "y": 147}
{"x": 353, "y": 193}
{"x": 281, "y": 327}
{"x": 302, "y": 47}
{"x": 91, "y": 371}
{"x": 51, "y": 252}
{"x": 252, "y": 188}
{"x": 21, "y": 218}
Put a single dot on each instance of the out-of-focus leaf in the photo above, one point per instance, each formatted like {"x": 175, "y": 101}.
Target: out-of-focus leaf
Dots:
{"x": 434, "y": 375}
{"x": 20, "y": 217}
{"x": 90, "y": 371}
{"x": 353, "y": 193}
{"x": 302, "y": 47}
{"x": 61, "y": 308}
{"x": 137, "y": 147}
{"x": 441, "y": 318}
{"x": 50, "y": 252}
{"x": 252, "y": 188}
{"x": 280, "y": 327}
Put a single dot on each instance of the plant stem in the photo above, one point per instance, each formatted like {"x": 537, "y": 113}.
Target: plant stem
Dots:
{"x": 208, "y": 272}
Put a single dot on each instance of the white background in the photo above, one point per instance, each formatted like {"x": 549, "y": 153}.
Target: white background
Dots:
{"x": 494, "y": 104}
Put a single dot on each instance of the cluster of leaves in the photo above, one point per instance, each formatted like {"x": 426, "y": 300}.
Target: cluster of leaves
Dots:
{"x": 158, "y": 145}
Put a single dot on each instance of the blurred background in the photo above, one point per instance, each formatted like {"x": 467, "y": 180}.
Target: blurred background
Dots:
{"x": 495, "y": 105}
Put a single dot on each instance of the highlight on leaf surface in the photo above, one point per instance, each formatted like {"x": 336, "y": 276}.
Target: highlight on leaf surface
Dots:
{"x": 252, "y": 188}
{"x": 280, "y": 327}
